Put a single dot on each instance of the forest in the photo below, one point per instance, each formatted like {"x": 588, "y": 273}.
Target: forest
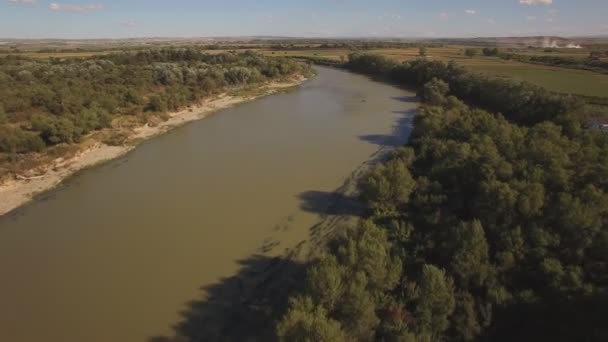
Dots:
{"x": 490, "y": 224}
{"x": 49, "y": 102}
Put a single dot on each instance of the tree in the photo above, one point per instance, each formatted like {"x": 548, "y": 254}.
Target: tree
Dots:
{"x": 54, "y": 130}
{"x": 434, "y": 92}
{"x": 387, "y": 187}
{"x": 465, "y": 321}
{"x": 422, "y": 51}
{"x": 307, "y": 322}
{"x": 365, "y": 248}
{"x": 470, "y": 262}
{"x": 435, "y": 302}
{"x": 325, "y": 282}
{"x": 470, "y": 52}
{"x": 63, "y": 100}
{"x": 157, "y": 104}
{"x": 357, "y": 310}
{"x": 490, "y": 52}
{"x": 16, "y": 140}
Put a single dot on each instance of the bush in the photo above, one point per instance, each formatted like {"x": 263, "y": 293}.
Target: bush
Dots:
{"x": 54, "y": 130}
{"x": 16, "y": 140}
{"x": 434, "y": 92}
{"x": 490, "y": 52}
{"x": 470, "y": 52}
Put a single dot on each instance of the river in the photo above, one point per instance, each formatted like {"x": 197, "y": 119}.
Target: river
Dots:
{"x": 116, "y": 252}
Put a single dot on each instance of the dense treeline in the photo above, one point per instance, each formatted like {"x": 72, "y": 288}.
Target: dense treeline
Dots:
{"x": 484, "y": 227}
{"x": 45, "y": 103}
{"x": 519, "y": 102}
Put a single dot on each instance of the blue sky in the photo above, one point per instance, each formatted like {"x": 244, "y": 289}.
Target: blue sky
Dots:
{"x": 310, "y": 18}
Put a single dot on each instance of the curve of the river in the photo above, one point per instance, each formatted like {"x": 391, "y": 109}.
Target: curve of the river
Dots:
{"x": 116, "y": 252}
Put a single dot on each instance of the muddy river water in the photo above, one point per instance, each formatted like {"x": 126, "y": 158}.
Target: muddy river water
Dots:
{"x": 116, "y": 252}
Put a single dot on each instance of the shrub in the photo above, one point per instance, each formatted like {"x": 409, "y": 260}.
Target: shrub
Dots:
{"x": 16, "y": 140}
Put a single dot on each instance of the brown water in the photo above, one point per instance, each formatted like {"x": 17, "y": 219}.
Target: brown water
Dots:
{"x": 118, "y": 251}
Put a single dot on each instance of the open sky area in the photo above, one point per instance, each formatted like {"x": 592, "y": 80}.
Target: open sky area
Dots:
{"x": 312, "y": 18}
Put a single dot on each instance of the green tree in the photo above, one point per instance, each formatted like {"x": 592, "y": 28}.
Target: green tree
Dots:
{"x": 435, "y": 302}
{"x": 490, "y": 52}
{"x": 470, "y": 262}
{"x": 307, "y": 322}
{"x": 54, "y": 130}
{"x": 422, "y": 51}
{"x": 471, "y": 52}
{"x": 365, "y": 248}
{"x": 387, "y": 187}
{"x": 325, "y": 282}
{"x": 465, "y": 322}
{"x": 434, "y": 92}
{"x": 357, "y": 310}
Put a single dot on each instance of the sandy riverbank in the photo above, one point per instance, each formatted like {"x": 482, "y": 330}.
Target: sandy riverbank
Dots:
{"x": 15, "y": 193}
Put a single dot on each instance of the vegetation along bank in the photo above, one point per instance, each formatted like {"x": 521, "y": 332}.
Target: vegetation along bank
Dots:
{"x": 491, "y": 224}
{"x": 60, "y": 115}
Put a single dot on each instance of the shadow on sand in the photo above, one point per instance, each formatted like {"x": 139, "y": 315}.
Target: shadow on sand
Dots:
{"x": 330, "y": 203}
{"x": 243, "y": 307}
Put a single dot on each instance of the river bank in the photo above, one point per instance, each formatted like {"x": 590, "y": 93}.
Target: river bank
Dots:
{"x": 21, "y": 190}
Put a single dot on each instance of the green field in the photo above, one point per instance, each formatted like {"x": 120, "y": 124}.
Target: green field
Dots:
{"x": 561, "y": 80}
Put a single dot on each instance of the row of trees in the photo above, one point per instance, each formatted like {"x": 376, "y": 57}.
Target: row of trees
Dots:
{"x": 484, "y": 227}
{"x": 520, "y": 102}
{"x": 593, "y": 63}
{"x": 47, "y": 102}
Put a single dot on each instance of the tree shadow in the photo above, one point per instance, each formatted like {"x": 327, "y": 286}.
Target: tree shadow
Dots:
{"x": 399, "y": 135}
{"x": 406, "y": 99}
{"x": 330, "y": 203}
{"x": 244, "y": 307}
{"x": 580, "y": 318}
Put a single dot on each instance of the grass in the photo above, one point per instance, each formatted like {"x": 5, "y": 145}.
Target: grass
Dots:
{"x": 570, "y": 81}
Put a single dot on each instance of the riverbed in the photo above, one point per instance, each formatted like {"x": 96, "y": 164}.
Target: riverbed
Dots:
{"x": 117, "y": 251}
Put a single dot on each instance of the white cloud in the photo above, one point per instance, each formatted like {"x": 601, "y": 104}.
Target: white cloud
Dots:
{"x": 23, "y": 2}
{"x": 535, "y": 2}
{"x": 443, "y": 15}
{"x": 470, "y": 11}
{"x": 530, "y": 18}
{"x": 74, "y": 8}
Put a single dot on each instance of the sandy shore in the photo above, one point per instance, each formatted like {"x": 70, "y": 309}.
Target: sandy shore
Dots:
{"x": 15, "y": 193}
